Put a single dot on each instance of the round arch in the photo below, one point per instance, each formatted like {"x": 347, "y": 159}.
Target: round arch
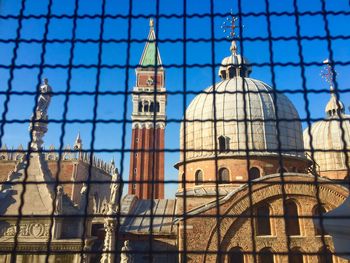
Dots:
{"x": 292, "y": 222}
{"x": 254, "y": 173}
{"x": 236, "y": 255}
{"x": 296, "y": 255}
{"x": 265, "y": 255}
{"x": 198, "y": 177}
{"x": 224, "y": 176}
{"x": 240, "y": 203}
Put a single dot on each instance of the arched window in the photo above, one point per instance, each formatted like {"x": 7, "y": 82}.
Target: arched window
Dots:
{"x": 223, "y": 143}
{"x": 224, "y": 176}
{"x": 292, "y": 220}
{"x": 232, "y": 72}
{"x": 223, "y": 74}
{"x": 325, "y": 256}
{"x": 296, "y": 256}
{"x": 198, "y": 177}
{"x": 236, "y": 255}
{"x": 319, "y": 210}
{"x": 146, "y": 106}
{"x": 266, "y": 256}
{"x": 254, "y": 173}
{"x": 157, "y": 107}
{"x": 263, "y": 224}
{"x": 140, "y": 106}
{"x": 151, "y": 107}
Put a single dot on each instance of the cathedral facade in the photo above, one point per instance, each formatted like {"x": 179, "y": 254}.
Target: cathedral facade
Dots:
{"x": 250, "y": 189}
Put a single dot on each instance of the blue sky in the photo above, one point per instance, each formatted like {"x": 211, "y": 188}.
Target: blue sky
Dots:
{"x": 109, "y": 136}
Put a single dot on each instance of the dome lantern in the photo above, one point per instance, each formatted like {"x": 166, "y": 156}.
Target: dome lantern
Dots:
{"x": 334, "y": 106}
{"x": 235, "y": 65}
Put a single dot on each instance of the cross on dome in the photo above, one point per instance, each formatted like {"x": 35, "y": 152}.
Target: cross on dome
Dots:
{"x": 230, "y": 26}
{"x": 328, "y": 73}
{"x": 234, "y": 65}
{"x": 334, "y": 106}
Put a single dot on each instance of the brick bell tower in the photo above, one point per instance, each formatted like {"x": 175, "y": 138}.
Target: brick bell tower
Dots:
{"x": 148, "y": 124}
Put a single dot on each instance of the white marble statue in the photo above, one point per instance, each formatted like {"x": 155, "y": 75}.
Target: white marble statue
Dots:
{"x": 115, "y": 188}
{"x": 126, "y": 256}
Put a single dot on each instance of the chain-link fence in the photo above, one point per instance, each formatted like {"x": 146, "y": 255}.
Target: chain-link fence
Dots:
{"x": 211, "y": 139}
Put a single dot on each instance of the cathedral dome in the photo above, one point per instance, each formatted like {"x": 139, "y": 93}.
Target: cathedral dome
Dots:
{"x": 327, "y": 141}
{"x": 234, "y": 135}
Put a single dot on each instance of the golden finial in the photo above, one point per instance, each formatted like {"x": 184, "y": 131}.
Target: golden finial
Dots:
{"x": 151, "y": 22}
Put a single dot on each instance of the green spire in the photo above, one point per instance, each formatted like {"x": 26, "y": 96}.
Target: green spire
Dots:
{"x": 149, "y": 53}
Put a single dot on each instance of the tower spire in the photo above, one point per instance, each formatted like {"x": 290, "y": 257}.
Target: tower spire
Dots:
{"x": 151, "y": 51}
{"x": 334, "y": 106}
{"x": 78, "y": 144}
{"x": 148, "y": 124}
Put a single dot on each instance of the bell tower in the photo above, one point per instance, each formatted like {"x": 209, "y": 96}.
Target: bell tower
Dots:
{"x": 148, "y": 124}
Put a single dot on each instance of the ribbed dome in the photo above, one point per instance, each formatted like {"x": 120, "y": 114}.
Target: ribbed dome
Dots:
{"x": 327, "y": 136}
{"x": 230, "y": 124}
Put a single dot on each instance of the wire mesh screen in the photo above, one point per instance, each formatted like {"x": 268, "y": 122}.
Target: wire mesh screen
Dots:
{"x": 162, "y": 131}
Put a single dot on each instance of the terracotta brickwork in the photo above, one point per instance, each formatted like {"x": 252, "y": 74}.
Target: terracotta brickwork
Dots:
{"x": 71, "y": 175}
{"x": 234, "y": 228}
{"x": 146, "y": 165}
{"x": 336, "y": 175}
{"x": 65, "y": 174}
{"x": 237, "y": 168}
{"x": 5, "y": 168}
{"x": 143, "y": 77}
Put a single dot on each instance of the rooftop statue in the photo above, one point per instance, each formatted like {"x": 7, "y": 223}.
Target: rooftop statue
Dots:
{"x": 44, "y": 97}
{"x": 38, "y": 125}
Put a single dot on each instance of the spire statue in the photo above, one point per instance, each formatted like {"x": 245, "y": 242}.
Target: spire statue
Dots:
{"x": 38, "y": 125}
{"x": 115, "y": 190}
{"x": 78, "y": 146}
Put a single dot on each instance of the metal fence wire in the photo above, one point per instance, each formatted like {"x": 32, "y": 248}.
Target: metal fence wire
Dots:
{"x": 209, "y": 163}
